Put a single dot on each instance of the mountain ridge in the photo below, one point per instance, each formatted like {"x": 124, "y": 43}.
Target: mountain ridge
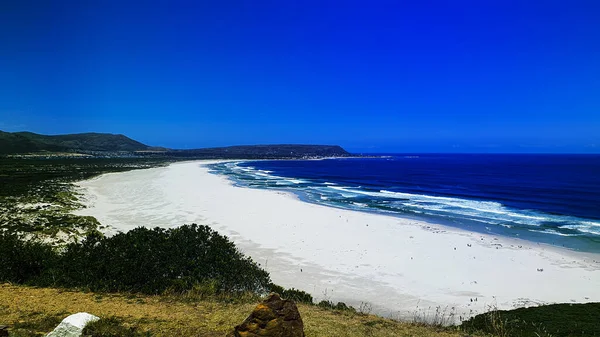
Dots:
{"x": 23, "y": 142}
{"x": 92, "y": 142}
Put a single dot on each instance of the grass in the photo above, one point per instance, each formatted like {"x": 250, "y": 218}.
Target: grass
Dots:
{"x": 440, "y": 317}
{"x": 36, "y": 324}
{"x": 112, "y": 327}
{"x": 35, "y": 311}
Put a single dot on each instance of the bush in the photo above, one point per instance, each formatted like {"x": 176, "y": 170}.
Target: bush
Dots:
{"x": 297, "y": 296}
{"x": 339, "y": 306}
{"x": 274, "y": 288}
{"x": 326, "y": 304}
{"x": 557, "y": 320}
{"x": 23, "y": 260}
{"x": 342, "y": 306}
{"x": 142, "y": 260}
{"x": 291, "y": 294}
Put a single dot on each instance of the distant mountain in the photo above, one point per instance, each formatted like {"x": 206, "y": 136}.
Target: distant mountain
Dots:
{"x": 28, "y": 142}
{"x": 264, "y": 151}
{"x": 24, "y": 142}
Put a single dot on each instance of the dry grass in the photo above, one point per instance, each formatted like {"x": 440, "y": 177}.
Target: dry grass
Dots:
{"x": 171, "y": 316}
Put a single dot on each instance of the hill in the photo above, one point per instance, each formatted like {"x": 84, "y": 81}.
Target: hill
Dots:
{"x": 263, "y": 151}
{"x": 114, "y": 145}
{"x": 25, "y": 142}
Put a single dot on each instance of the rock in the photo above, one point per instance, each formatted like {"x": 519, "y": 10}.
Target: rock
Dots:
{"x": 273, "y": 317}
{"x": 73, "y": 325}
{"x": 3, "y": 331}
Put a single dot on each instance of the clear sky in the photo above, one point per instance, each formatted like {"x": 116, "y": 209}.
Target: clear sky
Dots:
{"x": 378, "y": 76}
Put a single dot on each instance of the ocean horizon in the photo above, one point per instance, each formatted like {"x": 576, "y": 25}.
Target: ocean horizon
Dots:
{"x": 544, "y": 198}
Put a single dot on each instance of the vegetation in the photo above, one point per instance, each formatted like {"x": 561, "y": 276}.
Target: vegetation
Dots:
{"x": 37, "y": 195}
{"x": 175, "y": 316}
{"x": 23, "y": 142}
{"x": 43, "y": 180}
{"x": 339, "y": 306}
{"x": 36, "y": 323}
{"x": 24, "y": 261}
{"x": 440, "y": 317}
{"x": 141, "y": 260}
{"x": 292, "y": 294}
{"x": 112, "y": 327}
{"x": 556, "y": 320}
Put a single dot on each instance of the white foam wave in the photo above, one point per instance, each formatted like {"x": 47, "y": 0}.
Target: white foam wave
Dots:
{"x": 551, "y": 231}
{"x": 297, "y": 181}
{"x": 591, "y": 223}
{"x": 487, "y": 211}
{"x": 354, "y": 191}
{"x": 490, "y": 212}
{"x": 584, "y": 227}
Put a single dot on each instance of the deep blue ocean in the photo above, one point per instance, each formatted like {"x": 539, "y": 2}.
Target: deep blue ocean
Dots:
{"x": 551, "y": 199}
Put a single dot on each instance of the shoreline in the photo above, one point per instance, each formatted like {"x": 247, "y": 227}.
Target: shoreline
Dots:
{"x": 399, "y": 266}
{"x": 312, "y": 189}
{"x": 405, "y": 217}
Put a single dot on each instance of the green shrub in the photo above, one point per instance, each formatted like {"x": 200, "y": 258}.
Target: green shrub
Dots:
{"x": 291, "y": 294}
{"x": 326, "y": 304}
{"x": 143, "y": 260}
{"x": 154, "y": 260}
{"x": 274, "y": 288}
{"x": 557, "y": 320}
{"x": 23, "y": 260}
{"x": 342, "y": 306}
{"x": 297, "y": 296}
{"x": 339, "y": 306}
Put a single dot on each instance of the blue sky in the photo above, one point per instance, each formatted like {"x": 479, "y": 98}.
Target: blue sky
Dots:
{"x": 378, "y": 76}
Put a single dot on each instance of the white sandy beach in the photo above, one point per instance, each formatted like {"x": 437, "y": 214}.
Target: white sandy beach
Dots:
{"x": 399, "y": 266}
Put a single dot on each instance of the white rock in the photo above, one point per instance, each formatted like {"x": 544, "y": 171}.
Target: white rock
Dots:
{"x": 73, "y": 325}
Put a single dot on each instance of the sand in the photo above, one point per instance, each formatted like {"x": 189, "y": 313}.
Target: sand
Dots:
{"x": 392, "y": 266}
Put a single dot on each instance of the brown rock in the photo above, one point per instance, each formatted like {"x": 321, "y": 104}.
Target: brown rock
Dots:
{"x": 273, "y": 317}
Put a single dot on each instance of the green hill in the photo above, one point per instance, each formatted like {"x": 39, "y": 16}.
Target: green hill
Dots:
{"x": 28, "y": 142}
{"x": 25, "y": 142}
{"x": 264, "y": 151}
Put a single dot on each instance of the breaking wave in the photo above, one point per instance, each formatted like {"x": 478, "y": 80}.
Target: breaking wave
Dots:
{"x": 488, "y": 214}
